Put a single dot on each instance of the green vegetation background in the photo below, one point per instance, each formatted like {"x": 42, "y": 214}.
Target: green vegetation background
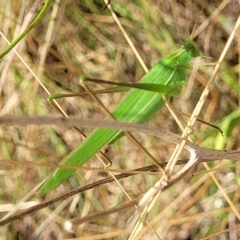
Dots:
{"x": 85, "y": 40}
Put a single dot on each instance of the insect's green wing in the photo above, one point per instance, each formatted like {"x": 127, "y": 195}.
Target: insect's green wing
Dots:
{"x": 138, "y": 106}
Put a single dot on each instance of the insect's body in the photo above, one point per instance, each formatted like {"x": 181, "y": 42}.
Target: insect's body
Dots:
{"x": 138, "y": 106}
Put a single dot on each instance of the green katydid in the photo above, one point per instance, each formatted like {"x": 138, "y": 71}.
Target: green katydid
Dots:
{"x": 138, "y": 106}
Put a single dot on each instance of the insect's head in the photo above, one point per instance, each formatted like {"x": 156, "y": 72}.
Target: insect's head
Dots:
{"x": 192, "y": 48}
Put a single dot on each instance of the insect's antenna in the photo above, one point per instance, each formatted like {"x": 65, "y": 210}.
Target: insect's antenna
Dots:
{"x": 188, "y": 25}
{"x": 206, "y": 22}
{"x": 195, "y": 26}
